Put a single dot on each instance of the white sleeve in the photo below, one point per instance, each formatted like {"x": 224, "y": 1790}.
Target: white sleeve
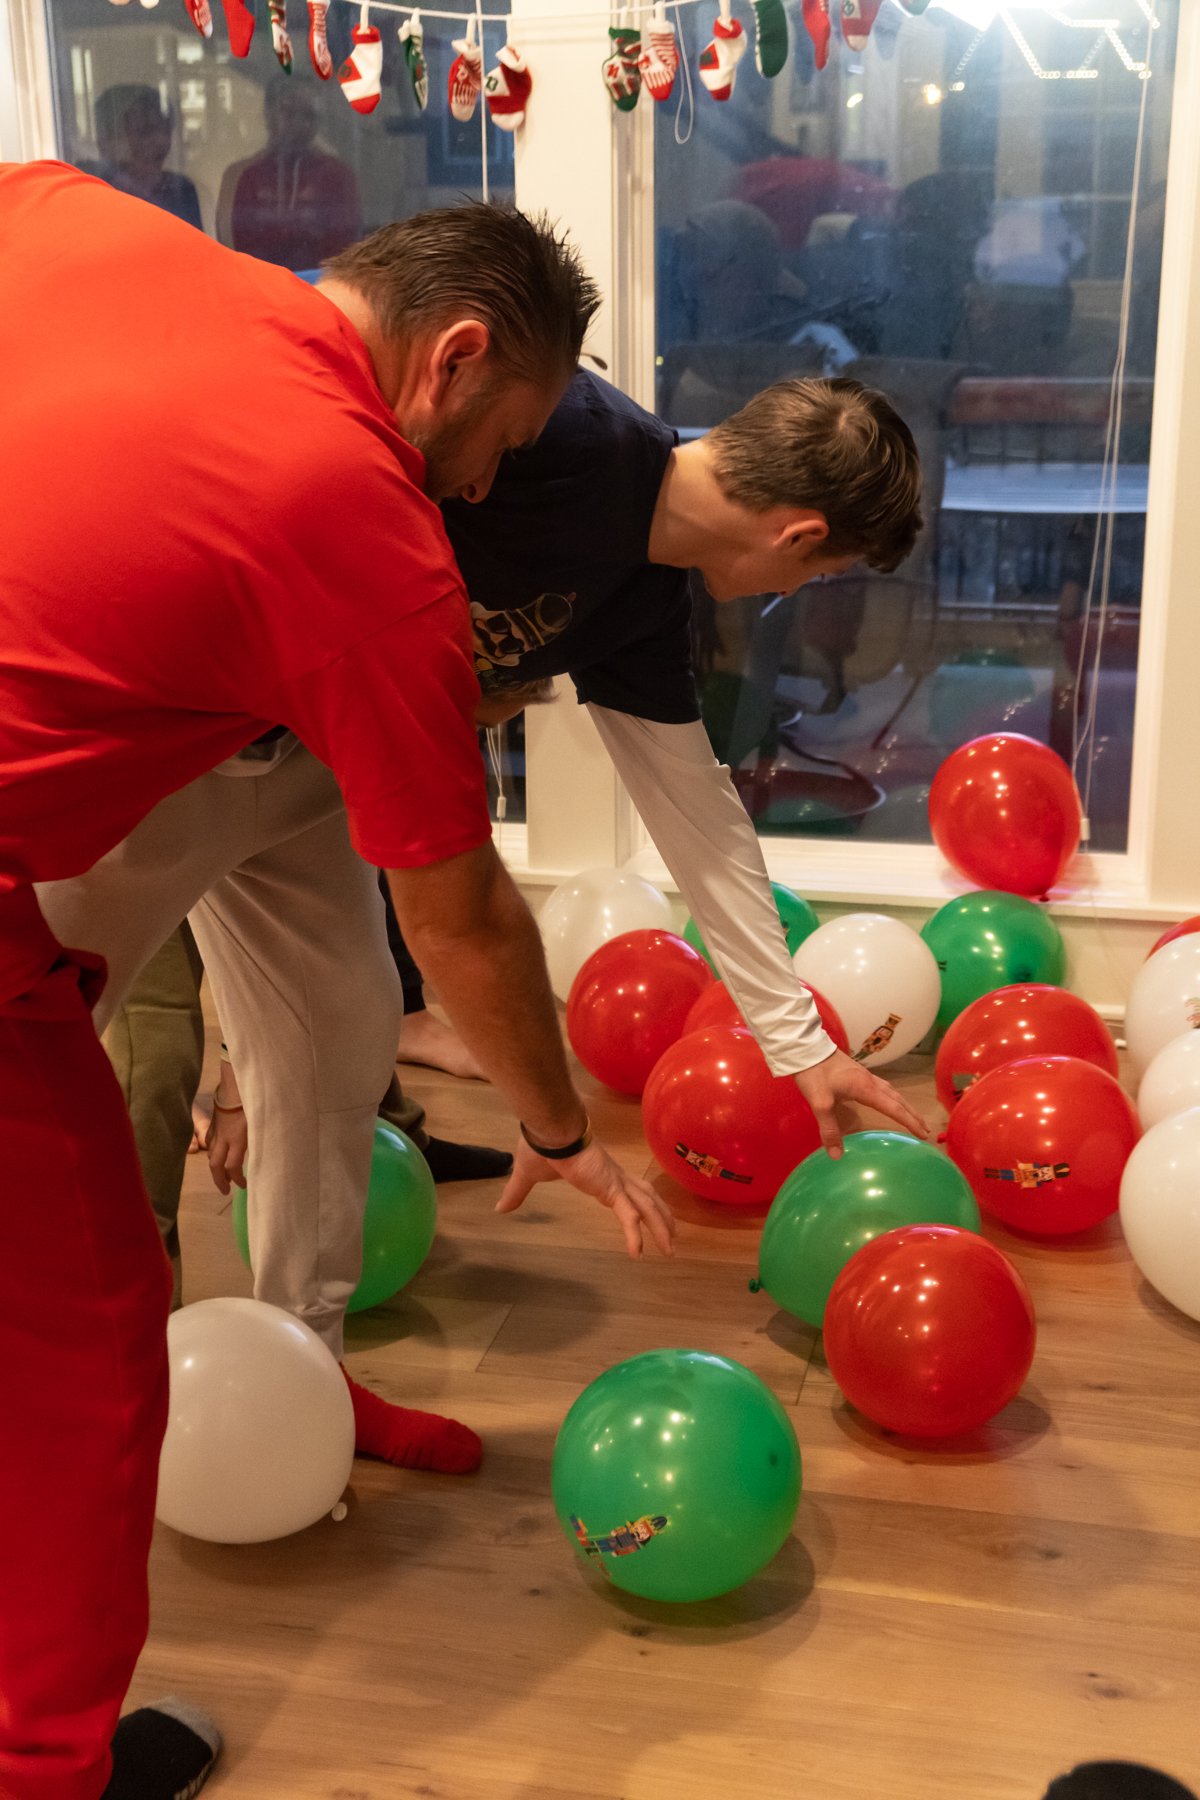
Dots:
{"x": 690, "y": 807}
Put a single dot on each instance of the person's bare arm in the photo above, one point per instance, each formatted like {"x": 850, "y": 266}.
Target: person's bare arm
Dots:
{"x": 475, "y": 940}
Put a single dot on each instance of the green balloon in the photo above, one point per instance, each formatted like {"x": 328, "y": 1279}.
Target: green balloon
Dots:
{"x": 795, "y": 915}
{"x": 827, "y": 1210}
{"x": 399, "y": 1224}
{"x": 677, "y": 1475}
{"x": 990, "y": 940}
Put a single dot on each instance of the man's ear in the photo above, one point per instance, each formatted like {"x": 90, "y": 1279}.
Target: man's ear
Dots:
{"x": 456, "y": 358}
{"x": 803, "y": 531}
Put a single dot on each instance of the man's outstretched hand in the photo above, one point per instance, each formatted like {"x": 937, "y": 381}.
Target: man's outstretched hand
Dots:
{"x": 839, "y": 1077}
{"x": 594, "y": 1172}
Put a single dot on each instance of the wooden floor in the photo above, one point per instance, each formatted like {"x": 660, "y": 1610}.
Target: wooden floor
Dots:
{"x": 956, "y": 1623}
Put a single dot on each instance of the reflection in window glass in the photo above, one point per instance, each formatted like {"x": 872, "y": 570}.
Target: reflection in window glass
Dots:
{"x": 277, "y": 165}
{"x": 943, "y": 213}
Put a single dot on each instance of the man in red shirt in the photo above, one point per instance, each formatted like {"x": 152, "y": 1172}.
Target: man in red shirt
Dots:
{"x": 289, "y": 570}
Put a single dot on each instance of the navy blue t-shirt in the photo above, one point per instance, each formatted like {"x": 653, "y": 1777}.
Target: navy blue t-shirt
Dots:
{"x": 554, "y": 562}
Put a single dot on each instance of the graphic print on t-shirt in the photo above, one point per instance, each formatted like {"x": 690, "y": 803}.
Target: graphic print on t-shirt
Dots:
{"x": 504, "y": 636}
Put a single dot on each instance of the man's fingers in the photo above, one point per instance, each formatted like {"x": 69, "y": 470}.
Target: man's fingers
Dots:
{"x": 827, "y": 1125}
{"x": 516, "y": 1189}
{"x": 630, "y": 1222}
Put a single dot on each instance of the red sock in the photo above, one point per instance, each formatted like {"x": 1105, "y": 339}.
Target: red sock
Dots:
{"x": 410, "y": 1439}
{"x": 816, "y": 19}
{"x": 858, "y": 16}
{"x": 240, "y": 23}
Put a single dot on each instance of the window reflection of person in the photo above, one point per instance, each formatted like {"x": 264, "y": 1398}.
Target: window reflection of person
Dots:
{"x": 290, "y": 204}
{"x": 134, "y": 127}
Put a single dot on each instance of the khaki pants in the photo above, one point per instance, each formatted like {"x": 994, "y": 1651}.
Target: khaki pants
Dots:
{"x": 289, "y": 922}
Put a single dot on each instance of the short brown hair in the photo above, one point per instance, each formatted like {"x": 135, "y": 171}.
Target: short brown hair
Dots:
{"x": 835, "y": 446}
{"x": 515, "y": 274}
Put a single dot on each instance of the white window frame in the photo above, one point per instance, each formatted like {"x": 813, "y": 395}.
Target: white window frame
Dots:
{"x": 602, "y": 189}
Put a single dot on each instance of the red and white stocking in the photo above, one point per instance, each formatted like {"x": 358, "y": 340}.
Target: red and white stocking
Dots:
{"x": 719, "y": 58}
{"x": 281, "y": 41}
{"x": 659, "y": 60}
{"x": 507, "y": 88}
{"x": 318, "y": 48}
{"x": 466, "y": 76}
{"x": 239, "y": 22}
{"x": 816, "y": 18}
{"x": 858, "y": 16}
{"x": 199, "y": 13}
{"x": 360, "y": 74}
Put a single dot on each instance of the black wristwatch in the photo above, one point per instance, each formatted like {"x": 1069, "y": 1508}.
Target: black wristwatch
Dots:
{"x": 561, "y": 1152}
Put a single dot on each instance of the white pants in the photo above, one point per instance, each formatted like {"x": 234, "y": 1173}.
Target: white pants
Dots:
{"x": 290, "y": 923}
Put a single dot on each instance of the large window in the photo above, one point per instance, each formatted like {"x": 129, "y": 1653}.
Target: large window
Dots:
{"x": 945, "y": 213}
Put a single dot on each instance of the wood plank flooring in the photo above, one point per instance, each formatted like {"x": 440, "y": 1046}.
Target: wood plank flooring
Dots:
{"x": 947, "y": 1623}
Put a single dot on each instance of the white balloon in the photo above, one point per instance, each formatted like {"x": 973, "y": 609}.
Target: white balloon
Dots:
{"x": 260, "y": 1437}
{"x": 880, "y": 976}
{"x": 591, "y": 908}
{"x": 1164, "y": 1000}
{"x": 1172, "y": 1082}
{"x": 1160, "y": 1209}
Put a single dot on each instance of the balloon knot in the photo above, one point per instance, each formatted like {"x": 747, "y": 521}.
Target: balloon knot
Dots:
{"x": 755, "y": 1286}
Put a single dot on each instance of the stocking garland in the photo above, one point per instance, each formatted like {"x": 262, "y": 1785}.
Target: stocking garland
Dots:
{"x": 361, "y": 74}
{"x": 412, "y": 39}
{"x": 635, "y": 58}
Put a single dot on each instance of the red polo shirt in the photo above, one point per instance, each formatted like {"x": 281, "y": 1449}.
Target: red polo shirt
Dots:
{"x": 211, "y": 525}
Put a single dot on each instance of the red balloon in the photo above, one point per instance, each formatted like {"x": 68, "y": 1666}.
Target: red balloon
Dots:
{"x": 629, "y": 1002}
{"x": 1176, "y": 931}
{"x": 929, "y": 1330}
{"x": 1012, "y": 1023}
{"x": 721, "y": 1123}
{"x": 1043, "y": 1143}
{"x": 1004, "y": 810}
{"x": 717, "y": 1006}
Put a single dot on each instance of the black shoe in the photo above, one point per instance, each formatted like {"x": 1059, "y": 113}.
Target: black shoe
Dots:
{"x": 162, "y": 1752}
{"x": 464, "y": 1162}
{"x": 1116, "y": 1781}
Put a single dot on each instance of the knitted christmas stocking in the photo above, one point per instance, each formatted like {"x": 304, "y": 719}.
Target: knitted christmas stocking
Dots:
{"x": 816, "y": 18}
{"x": 507, "y": 88}
{"x": 770, "y": 36}
{"x": 198, "y": 12}
{"x": 412, "y": 39}
{"x": 858, "y": 16}
{"x": 719, "y": 58}
{"x": 281, "y": 41}
{"x": 622, "y": 76}
{"x": 659, "y": 60}
{"x": 318, "y": 48}
{"x": 466, "y": 76}
{"x": 239, "y": 21}
{"x": 360, "y": 73}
